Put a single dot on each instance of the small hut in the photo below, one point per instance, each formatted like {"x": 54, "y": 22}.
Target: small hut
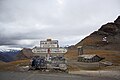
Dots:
{"x": 80, "y": 50}
{"x": 89, "y": 58}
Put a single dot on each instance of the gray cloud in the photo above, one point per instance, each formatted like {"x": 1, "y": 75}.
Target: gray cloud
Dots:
{"x": 24, "y": 22}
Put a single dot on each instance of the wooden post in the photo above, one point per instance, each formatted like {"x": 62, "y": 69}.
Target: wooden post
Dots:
{"x": 80, "y": 50}
{"x": 48, "y": 55}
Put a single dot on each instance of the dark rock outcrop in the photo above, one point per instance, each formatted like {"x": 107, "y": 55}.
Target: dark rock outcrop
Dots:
{"x": 117, "y": 21}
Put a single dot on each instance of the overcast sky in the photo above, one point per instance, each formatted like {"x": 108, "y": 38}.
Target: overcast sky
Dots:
{"x": 23, "y": 23}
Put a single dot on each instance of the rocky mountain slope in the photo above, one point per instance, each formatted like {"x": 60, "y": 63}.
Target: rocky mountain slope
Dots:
{"x": 25, "y": 53}
{"x": 8, "y": 55}
{"x": 112, "y": 33}
{"x": 94, "y": 44}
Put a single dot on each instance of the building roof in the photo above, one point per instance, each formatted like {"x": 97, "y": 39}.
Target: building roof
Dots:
{"x": 79, "y": 47}
{"x": 87, "y": 56}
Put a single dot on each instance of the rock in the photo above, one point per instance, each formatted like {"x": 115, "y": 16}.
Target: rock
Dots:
{"x": 107, "y": 63}
{"x": 109, "y": 29}
{"x": 23, "y": 68}
{"x": 117, "y": 21}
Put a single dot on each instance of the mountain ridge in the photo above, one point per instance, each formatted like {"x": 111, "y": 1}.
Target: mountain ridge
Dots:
{"x": 8, "y": 55}
{"x": 110, "y": 30}
{"x": 94, "y": 44}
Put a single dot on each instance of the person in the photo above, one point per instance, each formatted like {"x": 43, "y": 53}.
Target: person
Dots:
{"x": 33, "y": 62}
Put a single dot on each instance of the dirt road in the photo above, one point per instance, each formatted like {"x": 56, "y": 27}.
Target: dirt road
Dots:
{"x": 35, "y": 75}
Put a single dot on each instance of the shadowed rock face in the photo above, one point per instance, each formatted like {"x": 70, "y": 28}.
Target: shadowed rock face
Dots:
{"x": 109, "y": 29}
{"x": 117, "y": 21}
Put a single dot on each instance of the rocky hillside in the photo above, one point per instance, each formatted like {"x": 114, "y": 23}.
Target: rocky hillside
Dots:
{"x": 25, "y": 53}
{"x": 112, "y": 33}
{"x": 94, "y": 44}
{"x": 13, "y": 55}
{"x": 8, "y": 55}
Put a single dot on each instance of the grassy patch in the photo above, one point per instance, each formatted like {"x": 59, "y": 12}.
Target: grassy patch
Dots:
{"x": 11, "y": 66}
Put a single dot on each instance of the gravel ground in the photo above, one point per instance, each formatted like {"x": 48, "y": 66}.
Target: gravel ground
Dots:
{"x": 100, "y": 73}
{"x": 36, "y": 75}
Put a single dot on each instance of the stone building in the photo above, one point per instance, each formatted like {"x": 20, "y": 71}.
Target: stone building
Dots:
{"x": 89, "y": 58}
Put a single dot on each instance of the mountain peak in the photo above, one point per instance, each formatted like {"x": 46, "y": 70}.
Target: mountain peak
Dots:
{"x": 117, "y": 21}
{"x": 8, "y": 50}
{"x": 111, "y": 28}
